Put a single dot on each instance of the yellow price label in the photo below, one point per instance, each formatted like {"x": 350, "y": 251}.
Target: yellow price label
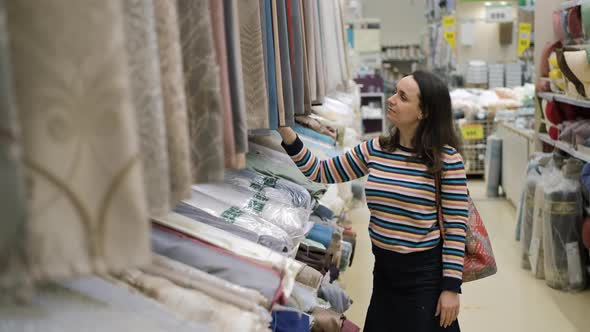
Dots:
{"x": 450, "y": 37}
{"x": 448, "y": 21}
{"x": 524, "y": 37}
{"x": 472, "y": 131}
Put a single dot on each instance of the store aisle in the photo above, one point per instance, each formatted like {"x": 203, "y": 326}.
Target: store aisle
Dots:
{"x": 511, "y": 301}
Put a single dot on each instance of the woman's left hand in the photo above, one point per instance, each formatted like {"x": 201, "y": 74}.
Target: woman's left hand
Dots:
{"x": 448, "y": 308}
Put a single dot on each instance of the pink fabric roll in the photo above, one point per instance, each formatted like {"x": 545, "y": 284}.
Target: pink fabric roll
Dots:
{"x": 217, "y": 18}
{"x": 574, "y": 22}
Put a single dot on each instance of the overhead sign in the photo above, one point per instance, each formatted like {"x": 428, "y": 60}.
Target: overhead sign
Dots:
{"x": 524, "y": 37}
{"x": 499, "y": 14}
{"x": 450, "y": 30}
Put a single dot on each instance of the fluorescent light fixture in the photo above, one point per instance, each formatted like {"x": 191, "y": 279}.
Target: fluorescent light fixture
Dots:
{"x": 503, "y": 3}
{"x": 488, "y": 3}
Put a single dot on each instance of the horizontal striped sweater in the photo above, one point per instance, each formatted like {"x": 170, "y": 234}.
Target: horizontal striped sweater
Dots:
{"x": 401, "y": 196}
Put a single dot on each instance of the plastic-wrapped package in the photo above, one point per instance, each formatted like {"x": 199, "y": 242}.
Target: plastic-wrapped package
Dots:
{"x": 274, "y": 163}
{"x": 564, "y": 267}
{"x": 272, "y": 187}
{"x": 533, "y": 177}
{"x": 291, "y": 219}
{"x": 233, "y": 214}
{"x": 536, "y": 250}
{"x": 493, "y": 165}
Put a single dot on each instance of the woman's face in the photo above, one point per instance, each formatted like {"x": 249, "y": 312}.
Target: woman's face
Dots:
{"x": 403, "y": 109}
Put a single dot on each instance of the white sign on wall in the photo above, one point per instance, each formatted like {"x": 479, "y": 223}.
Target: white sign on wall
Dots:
{"x": 498, "y": 14}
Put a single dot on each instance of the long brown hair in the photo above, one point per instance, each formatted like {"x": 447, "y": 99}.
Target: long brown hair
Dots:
{"x": 436, "y": 129}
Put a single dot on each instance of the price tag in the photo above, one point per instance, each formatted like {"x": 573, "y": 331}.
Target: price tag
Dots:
{"x": 472, "y": 131}
{"x": 524, "y": 37}
{"x": 449, "y": 30}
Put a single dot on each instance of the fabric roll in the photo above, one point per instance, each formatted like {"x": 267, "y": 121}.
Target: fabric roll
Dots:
{"x": 175, "y": 116}
{"x": 217, "y": 261}
{"x": 146, "y": 89}
{"x": 326, "y": 320}
{"x": 334, "y": 294}
{"x": 285, "y": 60}
{"x": 195, "y": 305}
{"x": 331, "y": 38}
{"x": 303, "y": 298}
{"x": 296, "y": 46}
{"x": 278, "y": 68}
{"x": 269, "y": 60}
{"x": 229, "y": 146}
{"x": 92, "y": 304}
{"x": 309, "y": 27}
{"x": 310, "y": 277}
{"x": 201, "y": 77}
{"x": 87, "y": 206}
{"x": 320, "y": 56}
{"x": 238, "y": 98}
{"x": 12, "y": 180}
{"x": 289, "y": 321}
{"x": 306, "y": 78}
{"x": 493, "y": 165}
{"x": 255, "y": 88}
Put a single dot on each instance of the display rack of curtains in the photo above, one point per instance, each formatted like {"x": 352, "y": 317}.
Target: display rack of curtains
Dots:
{"x": 87, "y": 211}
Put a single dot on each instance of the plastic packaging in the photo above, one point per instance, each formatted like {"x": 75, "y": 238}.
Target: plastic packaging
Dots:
{"x": 277, "y": 189}
{"x": 235, "y": 215}
{"x": 564, "y": 268}
{"x": 291, "y": 219}
{"x": 493, "y": 165}
{"x": 533, "y": 177}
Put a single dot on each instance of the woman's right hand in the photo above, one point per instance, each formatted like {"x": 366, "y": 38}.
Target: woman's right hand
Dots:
{"x": 287, "y": 134}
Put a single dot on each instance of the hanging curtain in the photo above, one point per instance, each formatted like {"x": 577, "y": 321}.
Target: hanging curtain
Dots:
{"x": 277, "y": 57}
{"x": 87, "y": 204}
{"x": 320, "y": 56}
{"x": 306, "y": 77}
{"x": 175, "y": 116}
{"x": 285, "y": 60}
{"x": 269, "y": 60}
{"x": 229, "y": 147}
{"x": 253, "y": 64}
{"x": 238, "y": 99}
{"x": 201, "y": 76}
{"x": 12, "y": 181}
{"x": 146, "y": 90}
{"x": 296, "y": 48}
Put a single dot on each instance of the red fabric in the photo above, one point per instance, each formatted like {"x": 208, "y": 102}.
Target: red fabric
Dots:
{"x": 291, "y": 41}
{"x": 553, "y": 133}
{"x": 586, "y": 233}
{"x": 574, "y": 22}
{"x": 348, "y": 326}
{"x": 553, "y": 113}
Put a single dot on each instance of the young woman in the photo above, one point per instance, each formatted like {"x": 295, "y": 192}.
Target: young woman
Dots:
{"x": 417, "y": 276}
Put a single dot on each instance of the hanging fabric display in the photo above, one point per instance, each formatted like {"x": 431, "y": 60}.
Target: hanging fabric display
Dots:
{"x": 296, "y": 53}
{"x": 175, "y": 116}
{"x": 12, "y": 181}
{"x": 320, "y": 55}
{"x": 87, "y": 204}
{"x": 255, "y": 88}
{"x": 285, "y": 62}
{"x": 238, "y": 98}
{"x": 306, "y": 77}
{"x": 269, "y": 59}
{"x": 201, "y": 76}
{"x": 144, "y": 74}
{"x": 229, "y": 147}
{"x": 309, "y": 28}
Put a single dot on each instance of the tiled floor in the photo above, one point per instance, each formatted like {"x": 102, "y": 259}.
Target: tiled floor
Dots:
{"x": 511, "y": 301}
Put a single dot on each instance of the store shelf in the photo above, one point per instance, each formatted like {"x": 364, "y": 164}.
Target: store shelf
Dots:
{"x": 565, "y": 147}
{"x": 564, "y": 99}
{"x": 372, "y": 94}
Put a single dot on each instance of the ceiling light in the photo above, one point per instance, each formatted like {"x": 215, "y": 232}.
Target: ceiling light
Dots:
{"x": 488, "y": 3}
{"x": 503, "y": 3}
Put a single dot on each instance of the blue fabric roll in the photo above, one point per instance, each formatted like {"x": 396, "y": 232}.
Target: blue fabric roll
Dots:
{"x": 313, "y": 134}
{"x": 585, "y": 177}
{"x": 321, "y": 233}
{"x": 269, "y": 57}
{"x": 289, "y": 321}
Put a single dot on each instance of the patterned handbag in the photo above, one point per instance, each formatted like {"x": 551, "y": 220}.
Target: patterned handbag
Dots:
{"x": 479, "y": 259}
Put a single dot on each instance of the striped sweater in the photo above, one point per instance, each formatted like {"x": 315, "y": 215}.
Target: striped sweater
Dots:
{"x": 401, "y": 196}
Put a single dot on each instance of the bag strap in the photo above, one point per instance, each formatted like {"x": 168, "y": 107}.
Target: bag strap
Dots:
{"x": 439, "y": 213}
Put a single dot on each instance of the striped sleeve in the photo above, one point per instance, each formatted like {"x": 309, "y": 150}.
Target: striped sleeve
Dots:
{"x": 349, "y": 166}
{"x": 455, "y": 207}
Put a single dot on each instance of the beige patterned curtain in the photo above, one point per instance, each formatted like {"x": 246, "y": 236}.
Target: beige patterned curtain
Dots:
{"x": 172, "y": 80}
{"x": 87, "y": 210}
{"x": 201, "y": 76}
{"x": 144, "y": 73}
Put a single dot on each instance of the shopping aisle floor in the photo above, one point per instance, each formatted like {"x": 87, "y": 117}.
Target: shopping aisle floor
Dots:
{"x": 511, "y": 301}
